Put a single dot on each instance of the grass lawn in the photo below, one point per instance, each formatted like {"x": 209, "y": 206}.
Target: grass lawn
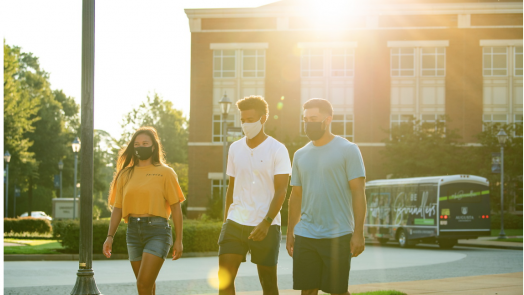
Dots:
{"x": 509, "y": 232}
{"x": 33, "y": 247}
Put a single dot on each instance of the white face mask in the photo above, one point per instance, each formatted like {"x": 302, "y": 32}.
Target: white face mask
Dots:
{"x": 252, "y": 129}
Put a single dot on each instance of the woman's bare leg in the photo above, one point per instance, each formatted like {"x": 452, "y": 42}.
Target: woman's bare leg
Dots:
{"x": 146, "y": 272}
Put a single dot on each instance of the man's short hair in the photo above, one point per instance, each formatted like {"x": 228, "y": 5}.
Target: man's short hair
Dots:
{"x": 323, "y": 105}
{"x": 253, "y": 102}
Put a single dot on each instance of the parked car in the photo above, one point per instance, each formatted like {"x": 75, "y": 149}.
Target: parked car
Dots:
{"x": 37, "y": 214}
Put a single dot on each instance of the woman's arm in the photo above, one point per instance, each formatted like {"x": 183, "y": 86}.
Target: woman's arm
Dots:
{"x": 116, "y": 217}
{"x": 178, "y": 248}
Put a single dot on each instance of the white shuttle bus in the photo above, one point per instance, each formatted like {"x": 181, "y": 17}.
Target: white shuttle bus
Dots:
{"x": 436, "y": 209}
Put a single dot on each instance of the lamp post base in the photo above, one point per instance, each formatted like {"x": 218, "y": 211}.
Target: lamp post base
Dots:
{"x": 85, "y": 283}
{"x": 502, "y": 236}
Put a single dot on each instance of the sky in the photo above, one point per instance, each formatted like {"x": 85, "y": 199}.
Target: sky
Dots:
{"x": 141, "y": 47}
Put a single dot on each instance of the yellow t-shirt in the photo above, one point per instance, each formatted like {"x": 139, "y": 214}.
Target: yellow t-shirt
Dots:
{"x": 150, "y": 190}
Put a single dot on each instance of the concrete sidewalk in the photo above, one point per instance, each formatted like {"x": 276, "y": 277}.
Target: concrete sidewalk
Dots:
{"x": 500, "y": 284}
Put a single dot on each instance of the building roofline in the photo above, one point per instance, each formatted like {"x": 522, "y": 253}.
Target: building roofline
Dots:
{"x": 370, "y": 10}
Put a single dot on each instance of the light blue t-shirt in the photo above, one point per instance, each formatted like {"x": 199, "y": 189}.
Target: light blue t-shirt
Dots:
{"x": 323, "y": 173}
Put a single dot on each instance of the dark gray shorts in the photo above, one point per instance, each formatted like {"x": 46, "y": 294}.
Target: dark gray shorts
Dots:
{"x": 148, "y": 234}
{"x": 233, "y": 240}
{"x": 322, "y": 264}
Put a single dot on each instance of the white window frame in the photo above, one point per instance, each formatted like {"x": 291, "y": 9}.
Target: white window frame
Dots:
{"x": 349, "y": 53}
{"x": 399, "y": 56}
{"x": 436, "y": 117}
{"x": 491, "y": 54}
{"x": 515, "y": 53}
{"x": 492, "y": 121}
{"x": 222, "y": 71}
{"x": 230, "y": 120}
{"x": 436, "y": 54}
{"x": 308, "y": 56}
{"x": 220, "y": 186}
{"x": 517, "y": 121}
{"x": 256, "y": 70}
{"x": 347, "y": 118}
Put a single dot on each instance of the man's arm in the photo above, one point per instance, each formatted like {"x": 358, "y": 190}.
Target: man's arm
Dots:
{"x": 281, "y": 182}
{"x": 294, "y": 209}
{"x": 229, "y": 195}
{"x": 358, "y": 186}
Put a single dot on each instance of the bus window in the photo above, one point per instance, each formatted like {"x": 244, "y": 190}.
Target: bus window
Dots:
{"x": 463, "y": 193}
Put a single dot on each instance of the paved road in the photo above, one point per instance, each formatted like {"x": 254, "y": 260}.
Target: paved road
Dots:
{"x": 197, "y": 275}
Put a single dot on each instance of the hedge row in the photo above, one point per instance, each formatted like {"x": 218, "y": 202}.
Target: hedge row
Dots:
{"x": 27, "y": 225}
{"x": 510, "y": 221}
{"x": 199, "y": 236}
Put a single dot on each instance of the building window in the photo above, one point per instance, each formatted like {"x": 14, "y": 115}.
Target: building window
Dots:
{"x": 401, "y": 120}
{"x": 253, "y": 63}
{"x": 518, "y": 61}
{"x": 518, "y": 124}
{"x": 433, "y": 61}
{"x": 342, "y": 125}
{"x": 312, "y": 62}
{"x": 494, "y": 119}
{"x": 217, "y": 126}
{"x": 343, "y": 62}
{"x": 495, "y": 61}
{"x": 432, "y": 122}
{"x": 217, "y": 187}
{"x": 402, "y": 62}
{"x": 224, "y": 63}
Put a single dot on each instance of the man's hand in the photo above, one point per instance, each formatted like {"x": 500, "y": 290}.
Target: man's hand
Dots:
{"x": 357, "y": 244}
{"x": 178, "y": 248}
{"x": 260, "y": 231}
{"x": 290, "y": 244}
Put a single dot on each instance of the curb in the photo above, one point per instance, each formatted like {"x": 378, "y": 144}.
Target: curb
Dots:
{"x": 509, "y": 247}
{"x": 75, "y": 257}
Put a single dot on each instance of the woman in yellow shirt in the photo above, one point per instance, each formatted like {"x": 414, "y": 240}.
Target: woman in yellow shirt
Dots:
{"x": 145, "y": 191}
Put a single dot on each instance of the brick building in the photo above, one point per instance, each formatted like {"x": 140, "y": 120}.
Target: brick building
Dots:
{"x": 380, "y": 65}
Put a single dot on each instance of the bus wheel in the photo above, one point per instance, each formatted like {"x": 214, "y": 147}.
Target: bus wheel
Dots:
{"x": 403, "y": 239}
{"x": 447, "y": 243}
{"x": 383, "y": 241}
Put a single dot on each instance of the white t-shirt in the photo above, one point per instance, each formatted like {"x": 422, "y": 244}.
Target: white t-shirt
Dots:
{"x": 254, "y": 171}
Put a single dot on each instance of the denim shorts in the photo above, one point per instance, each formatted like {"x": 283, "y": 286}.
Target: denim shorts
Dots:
{"x": 148, "y": 234}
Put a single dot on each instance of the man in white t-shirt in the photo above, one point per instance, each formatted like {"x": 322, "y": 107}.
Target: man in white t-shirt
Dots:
{"x": 258, "y": 168}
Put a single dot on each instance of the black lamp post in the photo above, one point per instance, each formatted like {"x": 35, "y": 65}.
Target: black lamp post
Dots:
{"x": 225, "y": 106}
{"x": 502, "y": 137}
{"x": 76, "y": 148}
{"x": 7, "y": 159}
{"x": 85, "y": 277}
{"x": 60, "y": 167}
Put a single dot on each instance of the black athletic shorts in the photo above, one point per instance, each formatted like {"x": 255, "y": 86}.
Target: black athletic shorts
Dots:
{"x": 234, "y": 240}
{"x": 322, "y": 264}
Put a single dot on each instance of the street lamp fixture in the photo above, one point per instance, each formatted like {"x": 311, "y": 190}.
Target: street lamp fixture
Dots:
{"x": 76, "y": 148}
{"x": 7, "y": 159}
{"x": 60, "y": 167}
{"x": 225, "y": 106}
{"x": 502, "y": 137}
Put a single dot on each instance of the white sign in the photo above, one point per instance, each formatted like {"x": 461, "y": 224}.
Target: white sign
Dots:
{"x": 63, "y": 208}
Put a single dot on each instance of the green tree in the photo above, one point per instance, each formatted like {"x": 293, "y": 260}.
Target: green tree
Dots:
{"x": 39, "y": 126}
{"x": 170, "y": 124}
{"x": 422, "y": 149}
{"x": 512, "y": 162}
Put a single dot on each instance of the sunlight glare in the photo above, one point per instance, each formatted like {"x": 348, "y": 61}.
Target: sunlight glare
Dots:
{"x": 218, "y": 278}
{"x": 333, "y": 14}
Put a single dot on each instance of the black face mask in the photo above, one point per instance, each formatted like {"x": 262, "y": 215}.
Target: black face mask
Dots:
{"x": 144, "y": 152}
{"x": 314, "y": 130}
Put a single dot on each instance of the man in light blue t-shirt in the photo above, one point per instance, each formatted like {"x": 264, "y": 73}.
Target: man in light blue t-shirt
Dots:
{"x": 327, "y": 206}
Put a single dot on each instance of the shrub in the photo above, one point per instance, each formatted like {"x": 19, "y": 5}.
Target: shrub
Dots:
{"x": 510, "y": 221}
{"x": 27, "y": 225}
{"x": 199, "y": 236}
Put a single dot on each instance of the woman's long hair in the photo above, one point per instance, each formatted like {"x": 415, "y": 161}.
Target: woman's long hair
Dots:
{"x": 127, "y": 159}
